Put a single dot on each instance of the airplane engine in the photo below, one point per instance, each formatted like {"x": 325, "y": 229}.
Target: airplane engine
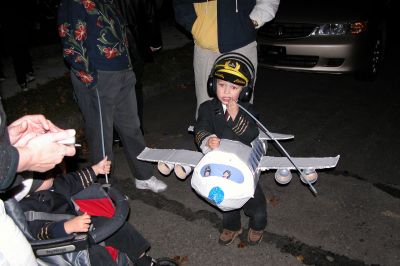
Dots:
{"x": 310, "y": 174}
{"x": 283, "y": 176}
{"x": 182, "y": 171}
{"x": 165, "y": 168}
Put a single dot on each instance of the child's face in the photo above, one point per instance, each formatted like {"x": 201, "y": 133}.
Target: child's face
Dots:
{"x": 227, "y": 91}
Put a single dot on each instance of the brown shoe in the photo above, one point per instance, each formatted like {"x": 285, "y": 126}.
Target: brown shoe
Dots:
{"x": 227, "y": 236}
{"x": 254, "y": 237}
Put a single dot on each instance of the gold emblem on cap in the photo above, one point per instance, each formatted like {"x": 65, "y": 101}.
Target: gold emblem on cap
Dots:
{"x": 232, "y": 68}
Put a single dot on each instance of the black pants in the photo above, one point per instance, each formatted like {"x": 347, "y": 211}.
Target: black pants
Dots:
{"x": 255, "y": 208}
{"x": 22, "y": 61}
{"x": 127, "y": 240}
{"x": 118, "y": 109}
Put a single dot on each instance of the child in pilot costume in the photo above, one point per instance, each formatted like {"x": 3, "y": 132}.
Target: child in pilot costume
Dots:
{"x": 231, "y": 82}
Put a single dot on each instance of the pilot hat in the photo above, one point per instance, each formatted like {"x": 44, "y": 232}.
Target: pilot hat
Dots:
{"x": 232, "y": 70}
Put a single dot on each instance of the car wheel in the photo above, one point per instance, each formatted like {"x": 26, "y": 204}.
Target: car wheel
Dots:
{"x": 370, "y": 72}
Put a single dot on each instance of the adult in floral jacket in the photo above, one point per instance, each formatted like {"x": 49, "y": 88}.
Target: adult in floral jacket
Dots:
{"x": 95, "y": 46}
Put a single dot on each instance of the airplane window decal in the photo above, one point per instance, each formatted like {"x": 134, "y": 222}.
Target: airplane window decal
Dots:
{"x": 224, "y": 171}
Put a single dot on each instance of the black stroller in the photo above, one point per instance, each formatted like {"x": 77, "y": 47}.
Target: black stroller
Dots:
{"x": 73, "y": 249}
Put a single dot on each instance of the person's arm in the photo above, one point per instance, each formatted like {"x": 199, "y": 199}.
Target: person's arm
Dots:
{"x": 203, "y": 129}
{"x": 9, "y": 158}
{"x": 73, "y": 182}
{"x": 185, "y": 14}
{"x": 72, "y": 30}
{"x": 264, "y": 11}
{"x": 43, "y": 230}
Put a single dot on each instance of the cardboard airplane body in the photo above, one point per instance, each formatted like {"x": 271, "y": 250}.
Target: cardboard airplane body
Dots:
{"x": 227, "y": 176}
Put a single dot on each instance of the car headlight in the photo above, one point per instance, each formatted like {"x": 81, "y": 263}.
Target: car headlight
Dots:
{"x": 336, "y": 29}
{"x": 332, "y": 29}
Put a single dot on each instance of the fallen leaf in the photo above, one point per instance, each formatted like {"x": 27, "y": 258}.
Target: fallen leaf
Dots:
{"x": 300, "y": 258}
{"x": 185, "y": 259}
{"x": 273, "y": 200}
{"x": 242, "y": 244}
{"x": 181, "y": 259}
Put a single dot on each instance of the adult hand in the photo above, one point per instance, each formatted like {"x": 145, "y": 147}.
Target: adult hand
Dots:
{"x": 29, "y": 126}
{"x": 78, "y": 224}
{"x": 232, "y": 108}
{"x": 41, "y": 153}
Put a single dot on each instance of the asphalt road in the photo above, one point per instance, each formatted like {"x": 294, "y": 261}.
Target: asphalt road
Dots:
{"x": 354, "y": 220}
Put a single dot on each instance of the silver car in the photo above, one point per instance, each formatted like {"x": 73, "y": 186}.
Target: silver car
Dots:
{"x": 327, "y": 36}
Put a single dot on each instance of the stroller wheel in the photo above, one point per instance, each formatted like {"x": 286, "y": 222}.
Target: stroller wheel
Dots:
{"x": 166, "y": 262}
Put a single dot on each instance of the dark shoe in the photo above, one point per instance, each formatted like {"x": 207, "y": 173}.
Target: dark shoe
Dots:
{"x": 254, "y": 237}
{"x": 24, "y": 86}
{"x": 227, "y": 236}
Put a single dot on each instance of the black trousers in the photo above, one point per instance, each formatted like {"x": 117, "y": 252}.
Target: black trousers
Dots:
{"x": 116, "y": 90}
{"x": 22, "y": 61}
{"x": 127, "y": 240}
{"x": 255, "y": 208}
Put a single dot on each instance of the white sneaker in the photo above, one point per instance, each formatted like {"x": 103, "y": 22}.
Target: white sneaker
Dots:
{"x": 152, "y": 183}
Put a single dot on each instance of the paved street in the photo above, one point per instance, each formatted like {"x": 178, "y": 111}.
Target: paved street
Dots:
{"x": 354, "y": 220}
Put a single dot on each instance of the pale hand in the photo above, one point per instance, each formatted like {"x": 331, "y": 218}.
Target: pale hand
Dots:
{"x": 79, "y": 224}
{"x": 103, "y": 167}
{"x": 30, "y": 125}
{"x": 232, "y": 108}
{"x": 213, "y": 142}
{"x": 42, "y": 153}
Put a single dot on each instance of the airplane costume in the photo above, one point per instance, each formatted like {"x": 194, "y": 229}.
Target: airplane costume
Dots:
{"x": 211, "y": 120}
{"x": 227, "y": 176}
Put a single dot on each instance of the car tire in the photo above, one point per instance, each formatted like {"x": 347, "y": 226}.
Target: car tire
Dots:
{"x": 376, "y": 58}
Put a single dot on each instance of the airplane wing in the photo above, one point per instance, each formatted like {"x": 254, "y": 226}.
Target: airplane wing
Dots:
{"x": 262, "y": 136}
{"x": 182, "y": 157}
{"x": 269, "y": 162}
{"x": 277, "y": 136}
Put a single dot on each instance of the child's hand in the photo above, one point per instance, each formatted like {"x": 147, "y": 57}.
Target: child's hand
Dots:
{"x": 213, "y": 142}
{"x": 232, "y": 108}
{"x": 78, "y": 224}
{"x": 103, "y": 167}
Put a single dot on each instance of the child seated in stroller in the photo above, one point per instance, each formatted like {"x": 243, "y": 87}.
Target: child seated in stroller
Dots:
{"x": 53, "y": 195}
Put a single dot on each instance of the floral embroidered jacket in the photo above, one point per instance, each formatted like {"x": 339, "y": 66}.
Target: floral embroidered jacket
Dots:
{"x": 93, "y": 38}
